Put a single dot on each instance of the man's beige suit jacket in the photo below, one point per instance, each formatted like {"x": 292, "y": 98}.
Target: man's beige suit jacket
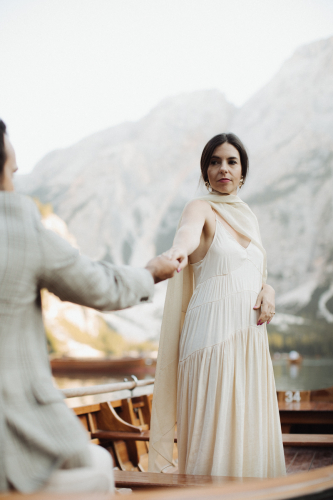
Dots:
{"x": 38, "y": 433}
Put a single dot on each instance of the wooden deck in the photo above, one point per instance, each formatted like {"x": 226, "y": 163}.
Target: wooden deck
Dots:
{"x": 302, "y": 459}
{"x": 308, "y": 440}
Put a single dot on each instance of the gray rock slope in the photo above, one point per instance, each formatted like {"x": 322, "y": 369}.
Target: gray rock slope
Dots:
{"x": 115, "y": 189}
{"x": 288, "y": 127}
{"x": 121, "y": 191}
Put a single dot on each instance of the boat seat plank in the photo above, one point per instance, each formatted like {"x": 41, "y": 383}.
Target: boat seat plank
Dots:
{"x": 116, "y": 403}
{"x": 311, "y": 412}
{"x": 80, "y": 410}
{"x": 315, "y": 406}
{"x": 288, "y": 396}
{"x": 306, "y": 417}
{"x": 126, "y": 479}
{"x": 322, "y": 440}
{"x": 125, "y": 436}
{"x": 322, "y": 395}
{"x": 122, "y": 435}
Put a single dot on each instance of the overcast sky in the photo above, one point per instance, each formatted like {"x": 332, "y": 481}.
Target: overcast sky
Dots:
{"x": 72, "y": 67}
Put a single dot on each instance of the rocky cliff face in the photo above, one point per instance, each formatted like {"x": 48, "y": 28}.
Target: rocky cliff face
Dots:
{"x": 288, "y": 129}
{"x": 121, "y": 191}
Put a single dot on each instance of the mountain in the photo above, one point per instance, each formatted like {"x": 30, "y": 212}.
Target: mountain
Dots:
{"x": 287, "y": 127}
{"x": 121, "y": 191}
{"x": 115, "y": 188}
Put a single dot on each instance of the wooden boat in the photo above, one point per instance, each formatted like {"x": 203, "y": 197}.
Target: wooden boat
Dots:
{"x": 122, "y": 427}
{"x": 106, "y": 366}
{"x": 294, "y": 358}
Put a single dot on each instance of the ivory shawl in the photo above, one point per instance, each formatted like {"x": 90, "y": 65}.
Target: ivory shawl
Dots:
{"x": 180, "y": 289}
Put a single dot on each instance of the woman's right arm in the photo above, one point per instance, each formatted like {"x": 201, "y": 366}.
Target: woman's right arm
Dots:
{"x": 188, "y": 236}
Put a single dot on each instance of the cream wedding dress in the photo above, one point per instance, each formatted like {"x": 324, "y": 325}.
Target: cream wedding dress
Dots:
{"x": 227, "y": 414}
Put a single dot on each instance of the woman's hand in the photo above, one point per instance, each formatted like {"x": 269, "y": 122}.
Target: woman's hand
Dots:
{"x": 177, "y": 253}
{"x": 266, "y": 301}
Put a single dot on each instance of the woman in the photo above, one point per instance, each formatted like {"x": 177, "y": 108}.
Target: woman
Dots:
{"x": 214, "y": 374}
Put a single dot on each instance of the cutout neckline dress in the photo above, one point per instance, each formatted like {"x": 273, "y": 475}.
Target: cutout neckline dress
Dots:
{"x": 228, "y": 421}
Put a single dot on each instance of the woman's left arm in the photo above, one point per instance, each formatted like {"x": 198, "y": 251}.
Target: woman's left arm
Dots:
{"x": 266, "y": 301}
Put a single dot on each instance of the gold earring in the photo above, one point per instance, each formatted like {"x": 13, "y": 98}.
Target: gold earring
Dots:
{"x": 207, "y": 185}
{"x": 241, "y": 183}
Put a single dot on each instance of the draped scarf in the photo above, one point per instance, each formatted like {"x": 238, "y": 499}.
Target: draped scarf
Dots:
{"x": 179, "y": 292}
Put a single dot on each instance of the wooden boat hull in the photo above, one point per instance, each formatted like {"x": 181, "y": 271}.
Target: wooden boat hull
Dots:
{"x": 91, "y": 366}
{"x": 314, "y": 485}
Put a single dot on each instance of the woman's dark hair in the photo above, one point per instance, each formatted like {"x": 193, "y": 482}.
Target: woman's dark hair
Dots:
{"x": 3, "y": 131}
{"x": 217, "y": 141}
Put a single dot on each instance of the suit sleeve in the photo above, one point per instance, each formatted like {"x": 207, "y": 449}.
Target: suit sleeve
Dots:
{"x": 97, "y": 284}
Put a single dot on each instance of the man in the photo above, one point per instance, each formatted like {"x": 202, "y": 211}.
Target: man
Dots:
{"x": 43, "y": 445}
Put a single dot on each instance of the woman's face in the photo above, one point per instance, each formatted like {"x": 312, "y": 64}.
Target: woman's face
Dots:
{"x": 225, "y": 169}
{"x": 10, "y": 167}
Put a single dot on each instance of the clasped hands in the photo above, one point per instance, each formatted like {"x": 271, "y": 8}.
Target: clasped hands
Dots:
{"x": 164, "y": 266}
{"x": 178, "y": 254}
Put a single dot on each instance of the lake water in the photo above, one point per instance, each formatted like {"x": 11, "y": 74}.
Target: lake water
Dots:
{"x": 311, "y": 374}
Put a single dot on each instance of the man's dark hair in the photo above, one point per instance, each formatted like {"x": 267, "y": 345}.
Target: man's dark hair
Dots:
{"x": 217, "y": 141}
{"x": 3, "y": 131}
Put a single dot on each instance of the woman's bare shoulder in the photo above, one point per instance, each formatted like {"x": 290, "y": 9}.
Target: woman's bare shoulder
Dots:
{"x": 198, "y": 212}
{"x": 198, "y": 206}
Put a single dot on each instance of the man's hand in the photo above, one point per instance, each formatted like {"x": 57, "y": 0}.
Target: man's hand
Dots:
{"x": 266, "y": 301}
{"x": 162, "y": 268}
